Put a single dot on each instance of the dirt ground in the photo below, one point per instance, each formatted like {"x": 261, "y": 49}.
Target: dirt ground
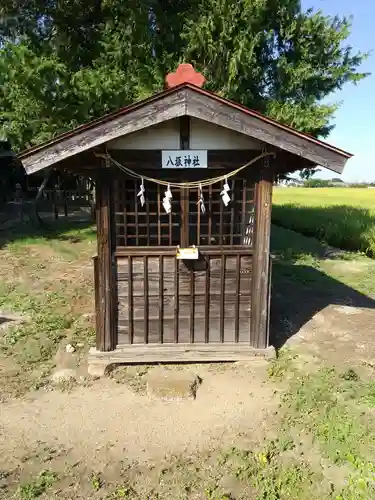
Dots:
{"x": 100, "y": 433}
{"x": 95, "y": 430}
{"x": 107, "y": 423}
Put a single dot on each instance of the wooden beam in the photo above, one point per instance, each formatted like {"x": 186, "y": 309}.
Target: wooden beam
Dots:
{"x": 259, "y": 335}
{"x": 106, "y": 334}
{"x": 177, "y": 353}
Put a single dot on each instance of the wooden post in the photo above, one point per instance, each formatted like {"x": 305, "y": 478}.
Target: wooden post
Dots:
{"x": 261, "y": 258}
{"x": 106, "y": 307}
{"x": 184, "y": 193}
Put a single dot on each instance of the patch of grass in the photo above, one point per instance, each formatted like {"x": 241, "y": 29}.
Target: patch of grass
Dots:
{"x": 123, "y": 492}
{"x": 323, "y": 404}
{"x": 333, "y": 408}
{"x": 268, "y": 476}
{"x": 341, "y": 217}
{"x": 306, "y": 262}
{"x": 49, "y": 300}
{"x": 37, "y": 486}
{"x": 26, "y": 234}
{"x": 281, "y": 365}
{"x": 96, "y": 482}
{"x": 214, "y": 493}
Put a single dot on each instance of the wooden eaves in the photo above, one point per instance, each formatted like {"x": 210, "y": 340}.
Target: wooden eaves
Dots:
{"x": 184, "y": 99}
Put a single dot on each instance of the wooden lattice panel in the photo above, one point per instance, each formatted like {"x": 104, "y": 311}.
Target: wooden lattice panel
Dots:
{"x": 151, "y": 226}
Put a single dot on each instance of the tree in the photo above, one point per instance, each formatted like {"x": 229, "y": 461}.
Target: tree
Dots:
{"x": 307, "y": 173}
{"x": 63, "y": 63}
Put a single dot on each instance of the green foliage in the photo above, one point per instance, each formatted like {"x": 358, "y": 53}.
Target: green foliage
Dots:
{"x": 37, "y": 486}
{"x": 317, "y": 183}
{"x": 64, "y": 63}
{"x": 274, "y": 57}
{"x": 96, "y": 482}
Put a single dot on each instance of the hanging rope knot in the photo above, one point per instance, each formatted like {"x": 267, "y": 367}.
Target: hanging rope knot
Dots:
{"x": 224, "y": 193}
{"x": 141, "y": 193}
{"x": 201, "y": 200}
{"x": 167, "y": 200}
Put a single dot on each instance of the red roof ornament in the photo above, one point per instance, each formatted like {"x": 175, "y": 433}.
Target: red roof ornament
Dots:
{"x": 185, "y": 73}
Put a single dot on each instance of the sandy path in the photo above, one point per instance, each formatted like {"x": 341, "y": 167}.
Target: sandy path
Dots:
{"x": 108, "y": 417}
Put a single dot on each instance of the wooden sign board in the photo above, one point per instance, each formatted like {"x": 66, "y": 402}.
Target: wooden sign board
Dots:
{"x": 190, "y": 253}
{"x": 179, "y": 158}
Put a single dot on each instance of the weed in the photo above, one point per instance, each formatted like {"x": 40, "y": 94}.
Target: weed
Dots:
{"x": 350, "y": 374}
{"x": 214, "y": 493}
{"x": 281, "y": 365}
{"x": 269, "y": 477}
{"x": 122, "y": 492}
{"x": 96, "y": 482}
{"x": 38, "y": 486}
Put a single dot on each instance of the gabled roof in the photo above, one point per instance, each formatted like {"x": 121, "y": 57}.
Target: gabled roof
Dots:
{"x": 184, "y": 99}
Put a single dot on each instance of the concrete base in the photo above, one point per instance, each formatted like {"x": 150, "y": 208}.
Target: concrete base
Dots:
{"x": 172, "y": 385}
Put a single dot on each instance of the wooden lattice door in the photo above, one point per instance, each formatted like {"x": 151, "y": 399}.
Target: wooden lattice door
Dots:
{"x": 165, "y": 300}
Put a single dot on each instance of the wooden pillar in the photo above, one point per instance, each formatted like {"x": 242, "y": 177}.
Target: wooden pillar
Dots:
{"x": 106, "y": 295}
{"x": 184, "y": 193}
{"x": 261, "y": 258}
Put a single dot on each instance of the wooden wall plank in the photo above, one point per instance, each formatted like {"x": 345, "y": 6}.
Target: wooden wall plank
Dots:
{"x": 176, "y": 304}
{"x": 237, "y": 298}
{"x": 230, "y": 304}
{"x": 207, "y": 306}
{"x": 192, "y": 304}
{"x": 145, "y": 297}
{"x": 161, "y": 298}
{"x": 184, "y": 305}
{"x": 130, "y": 299}
{"x": 223, "y": 276}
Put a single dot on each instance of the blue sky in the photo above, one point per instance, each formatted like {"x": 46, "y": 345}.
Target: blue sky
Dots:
{"x": 355, "y": 120}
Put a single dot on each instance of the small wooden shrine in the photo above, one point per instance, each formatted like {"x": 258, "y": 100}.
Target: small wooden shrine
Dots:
{"x": 183, "y": 210}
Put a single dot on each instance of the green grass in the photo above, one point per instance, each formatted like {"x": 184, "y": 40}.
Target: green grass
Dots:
{"x": 334, "y": 409}
{"x": 341, "y": 217}
{"x": 39, "y": 283}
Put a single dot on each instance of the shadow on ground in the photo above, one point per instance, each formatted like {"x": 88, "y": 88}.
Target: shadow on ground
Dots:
{"x": 76, "y": 227}
{"x": 300, "y": 290}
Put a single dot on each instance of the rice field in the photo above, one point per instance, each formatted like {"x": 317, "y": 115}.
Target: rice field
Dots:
{"x": 341, "y": 217}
